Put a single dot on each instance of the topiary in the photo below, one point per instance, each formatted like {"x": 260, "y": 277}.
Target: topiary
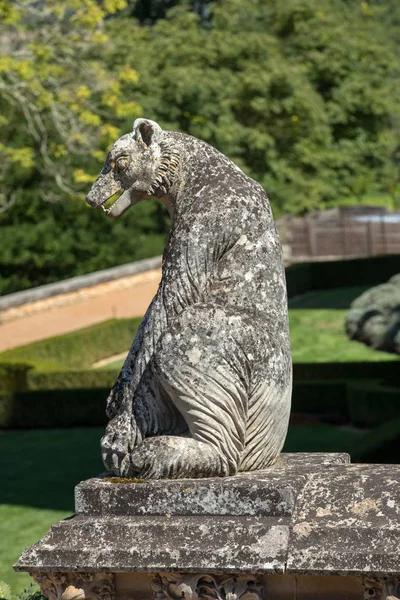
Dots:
{"x": 374, "y": 317}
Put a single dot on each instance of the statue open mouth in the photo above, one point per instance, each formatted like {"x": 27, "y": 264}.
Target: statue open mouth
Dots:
{"x": 110, "y": 202}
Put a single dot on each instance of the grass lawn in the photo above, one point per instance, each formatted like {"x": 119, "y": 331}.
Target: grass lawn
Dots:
{"x": 41, "y": 467}
{"x": 317, "y": 328}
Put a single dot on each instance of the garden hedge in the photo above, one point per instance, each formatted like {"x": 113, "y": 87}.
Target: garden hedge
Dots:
{"x": 53, "y": 408}
{"x": 364, "y": 403}
{"x": 327, "y": 398}
{"x": 360, "y": 271}
{"x": 62, "y": 380}
{"x": 345, "y": 370}
{"x": 373, "y": 404}
{"x": 50, "y": 383}
{"x": 381, "y": 445}
{"x": 304, "y": 277}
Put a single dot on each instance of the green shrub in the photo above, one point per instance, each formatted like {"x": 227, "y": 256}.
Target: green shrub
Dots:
{"x": 32, "y": 592}
{"x": 77, "y": 398}
{"x": 373, "y": 270}
{"x": 13, "y": 376}
{"x": 345, "y": 370}
{"x": 381, "y": 445}
{"x": 60, "y": 380}
{"x": 5, "y": 591}
{"x": 359, "y": 271}
{"x": 53, "y": 408}
{"x": 371, "y": 403}
{"x": 298, "y": 279}
{"x": 320, "y": 397}
{"x": 363, "y": 402}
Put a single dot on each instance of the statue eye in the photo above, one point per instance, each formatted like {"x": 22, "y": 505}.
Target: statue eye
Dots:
{"x": 122, "y": 163}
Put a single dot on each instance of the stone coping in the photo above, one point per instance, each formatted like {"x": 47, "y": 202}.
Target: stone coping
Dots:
{"x": 309, "y": 514}
{"x": 269, "y": 493}
{"x": 76, "y": 283}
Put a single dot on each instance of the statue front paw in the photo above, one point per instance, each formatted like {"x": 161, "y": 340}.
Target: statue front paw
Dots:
{"x": 116, "y": 445}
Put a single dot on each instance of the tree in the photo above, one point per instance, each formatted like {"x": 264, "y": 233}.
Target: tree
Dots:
{"x": 59, "y": 106}
{"x": 149, "y": 11}
{"x": 60, "y": 110}
{"x": 302, "y": 94}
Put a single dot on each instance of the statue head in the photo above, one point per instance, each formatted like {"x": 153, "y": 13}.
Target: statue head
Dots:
{"x": 138, "y": 165}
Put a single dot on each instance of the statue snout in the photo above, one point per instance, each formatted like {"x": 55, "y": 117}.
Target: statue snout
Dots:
{"x": 103, "y": 188}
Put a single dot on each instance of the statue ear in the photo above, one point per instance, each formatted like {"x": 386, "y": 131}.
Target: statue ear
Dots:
{"x": 146, "y": 131}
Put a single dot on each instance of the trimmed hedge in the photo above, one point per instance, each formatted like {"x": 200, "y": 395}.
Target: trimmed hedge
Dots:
{"x": 298, "y": 279}
{"x": 359, "y": 271}
{"x": 305, "y": 277}
{"x": 20, "y": 376}
{"x": 345, "y": 370}
{"x": 373, "y": 404}
{"x": 44, "y": 385}
{"x": 320, "y": 397}
{"x": 71, "y": 380}
{"x": 13, "y": 376}
{"x": 382, "y": 445}
{"x": 53, "y": 408}
{"x": 364, "y": 403}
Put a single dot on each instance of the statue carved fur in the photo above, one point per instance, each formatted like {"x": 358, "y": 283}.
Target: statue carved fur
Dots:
{"x": 205, "y": 389}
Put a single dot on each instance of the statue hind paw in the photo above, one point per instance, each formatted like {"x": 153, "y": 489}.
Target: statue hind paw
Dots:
{"x": 176, "y": 457}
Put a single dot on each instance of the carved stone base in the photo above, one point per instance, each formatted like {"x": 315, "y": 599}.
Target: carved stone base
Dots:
{"x": 170, "y": 586}
{"x": 179, "y": 586}
{"x": 312, "y": 527}
{"x": 386, "y": 588}
{"x": 76, "y": 586}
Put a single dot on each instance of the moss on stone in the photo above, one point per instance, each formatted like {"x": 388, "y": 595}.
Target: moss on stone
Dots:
{"x": 124, "y": 480}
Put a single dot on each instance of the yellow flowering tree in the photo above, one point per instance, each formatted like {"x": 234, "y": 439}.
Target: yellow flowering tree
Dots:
{"x": 59, "y": 106}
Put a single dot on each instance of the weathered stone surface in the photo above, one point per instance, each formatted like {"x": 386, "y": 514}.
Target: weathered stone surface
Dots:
{"x": 205, "y": 390}
{"x": 307, "y": 514}
{"x": 347, "y": 521}
{"x": 187, "y": 544}
{"x": 269, "y": 493}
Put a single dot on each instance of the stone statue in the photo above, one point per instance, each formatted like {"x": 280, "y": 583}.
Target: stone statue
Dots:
{"x": 206, "y": 387}
{"x": 374, "y": 317}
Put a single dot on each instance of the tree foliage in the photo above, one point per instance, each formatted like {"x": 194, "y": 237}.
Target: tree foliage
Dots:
{"x": 57, "y": 101}
{"x": 302, "y": 94}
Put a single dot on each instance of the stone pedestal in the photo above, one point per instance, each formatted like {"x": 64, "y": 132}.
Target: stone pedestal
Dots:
{"x": 312, "y": 526}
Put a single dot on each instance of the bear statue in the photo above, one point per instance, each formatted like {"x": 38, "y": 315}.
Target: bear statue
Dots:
{"x": 205, "y": 390}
